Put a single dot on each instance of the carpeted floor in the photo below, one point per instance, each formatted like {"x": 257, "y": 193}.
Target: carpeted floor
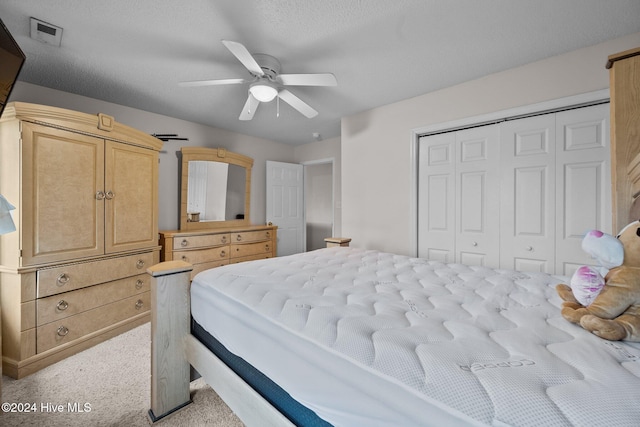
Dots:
{"x": 106, "y": 385}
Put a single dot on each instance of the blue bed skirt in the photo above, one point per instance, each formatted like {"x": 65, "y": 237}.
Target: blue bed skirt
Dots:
{"x": 297, "y": 413}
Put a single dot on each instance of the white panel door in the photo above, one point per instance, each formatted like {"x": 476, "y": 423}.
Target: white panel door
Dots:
{"x": 285, "y": 205}
{"x": 527, "y": 234}
{"x": 436, "y": 197}
{"x": 583, "y": 190}
{"x": 478, "y": 196}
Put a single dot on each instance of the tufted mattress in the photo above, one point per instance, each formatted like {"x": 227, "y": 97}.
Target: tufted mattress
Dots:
{"x": 366, "y": 338}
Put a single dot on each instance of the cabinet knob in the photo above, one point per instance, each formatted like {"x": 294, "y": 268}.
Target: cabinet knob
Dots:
{"x": 63, "y": 279}
{"x": 62, "y": 331}
{"x": 474, "y": 243}
{"x": 224, "y": 239}
{"x": 100, "y": 195}
{"x": 139, "y": 284}
{"x": 62, "y": 305}
{"x": 529, "y": 248}
{"x": 139, "y": 304}
{"x": 239, "y": 237}
{"x": 184, "y": 243}
{"x": 268, "y": 235}
{"x": 109, "y": 195}
{"x": 184, "y": 258}
{"x": 140, "y": 264}
{"x": 223, "y": 254}
{"x": 266, "y": 248}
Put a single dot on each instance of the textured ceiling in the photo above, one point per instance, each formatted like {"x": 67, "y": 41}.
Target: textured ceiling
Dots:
{"x": 134, "y": 52}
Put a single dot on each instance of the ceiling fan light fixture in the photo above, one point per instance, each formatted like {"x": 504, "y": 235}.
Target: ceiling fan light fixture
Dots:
{"x": 263, "y": 91}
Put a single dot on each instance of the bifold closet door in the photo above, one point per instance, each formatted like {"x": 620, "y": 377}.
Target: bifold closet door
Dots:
{"x": 583, "y": 177}
{"x": 555, "y": 188}
{"x": 437, "y": 197}
{"x": 459, "y": 196}
{"x": 527, "y": 236}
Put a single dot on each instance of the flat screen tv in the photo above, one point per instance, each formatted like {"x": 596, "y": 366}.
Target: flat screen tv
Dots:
{"x": 11, "y": 60}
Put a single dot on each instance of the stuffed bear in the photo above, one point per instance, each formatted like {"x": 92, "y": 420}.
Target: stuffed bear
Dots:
{"x": 614, "y": 313}
{"x": 587, "y": 281}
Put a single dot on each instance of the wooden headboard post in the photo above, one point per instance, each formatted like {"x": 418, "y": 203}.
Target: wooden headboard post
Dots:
{"x": 170, "y": 314}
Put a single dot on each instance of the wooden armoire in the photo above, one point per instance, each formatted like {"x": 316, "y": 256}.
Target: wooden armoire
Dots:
{"x": 85, "y": 189}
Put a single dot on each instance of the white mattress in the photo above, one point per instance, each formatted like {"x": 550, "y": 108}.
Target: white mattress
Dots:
{"x": 365, "y": 338}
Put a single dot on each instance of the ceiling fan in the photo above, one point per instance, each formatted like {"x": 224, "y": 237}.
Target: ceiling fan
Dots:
{"x": 267, "y": 82}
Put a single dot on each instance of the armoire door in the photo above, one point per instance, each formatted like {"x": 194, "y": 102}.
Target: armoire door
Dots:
{"x": 131, "y": 197}
{"x": 61, "y": 216}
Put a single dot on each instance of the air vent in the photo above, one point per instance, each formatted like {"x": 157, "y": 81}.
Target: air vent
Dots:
{"x": 45, "y": 33}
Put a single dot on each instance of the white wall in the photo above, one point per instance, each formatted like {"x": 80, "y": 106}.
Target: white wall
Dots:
{"x": 377, "y": 144}
{"x": 259, "y": 149}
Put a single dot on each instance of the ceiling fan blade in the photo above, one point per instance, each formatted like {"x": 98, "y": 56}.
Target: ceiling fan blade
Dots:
{"x": 249, "y": 109}
{"x": 297, "y": 103}
{"x": 323, "y": 79}
{"x": 213, "y": 82}
{"x": 243, "y": 55}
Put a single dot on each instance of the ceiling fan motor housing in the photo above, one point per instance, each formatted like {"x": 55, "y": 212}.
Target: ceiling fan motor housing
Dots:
{"x": 269, "y": 64}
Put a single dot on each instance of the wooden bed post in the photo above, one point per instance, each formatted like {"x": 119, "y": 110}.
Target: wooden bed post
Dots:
{"x": 170, "y": 324}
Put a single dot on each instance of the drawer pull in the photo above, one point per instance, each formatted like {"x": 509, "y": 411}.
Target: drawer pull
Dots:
{"x": 139, "y": 304}
{"x": 63, "y": 279}
{"x": 139, "y": 284}
{"x": 224, "y": 239}
{"x": 266, "y": 248}
{"x": 140, "y": 264}
{"x": 223, "y": 254}
{"x": 62, "y": 305}
{"x": 268, "y": 235}
{"x": 184, "y": 243}
{"x": 63, "y": 331}
{"x": 239, "y": 237}
{"x": 184, "y": 258}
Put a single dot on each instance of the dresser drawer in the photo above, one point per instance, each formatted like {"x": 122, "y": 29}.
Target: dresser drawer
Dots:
{"x": 197, "y": 268}
{"x": 56, "y": 280}
{"x": 251, "y": 236}
{"x": 251, "y": 249}
{"x": 67, "y": 304}
{"x": 67, "y": 330}
{"x": 250, "y": 258}
{"x": 202, "y": 255}
{"x": 200, "y": 241}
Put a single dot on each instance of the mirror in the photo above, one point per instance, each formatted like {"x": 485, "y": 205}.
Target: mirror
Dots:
{"x": 215, "y": 188}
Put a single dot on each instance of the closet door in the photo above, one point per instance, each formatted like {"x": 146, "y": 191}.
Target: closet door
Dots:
{"x": 528, "y": 198}
{"x": 436, "y": 197}
{"x": 478, "y": 196}
{"x": 583, "y": 190}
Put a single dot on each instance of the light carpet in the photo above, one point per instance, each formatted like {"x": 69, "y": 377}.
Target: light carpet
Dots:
{"x": 106, "y": 385}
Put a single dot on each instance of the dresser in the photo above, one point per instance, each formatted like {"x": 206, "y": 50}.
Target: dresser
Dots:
{"x": 85, "y": 189}
{"x": 206, "y": 249}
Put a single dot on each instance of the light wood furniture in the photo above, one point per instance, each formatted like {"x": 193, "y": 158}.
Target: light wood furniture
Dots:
{"x": 624, "y": 73}
{"x": 212, "y": 239}
{"x": 209, "y": 249}
{"x": 337, "y": 241}
{"x": 85, "y": 188}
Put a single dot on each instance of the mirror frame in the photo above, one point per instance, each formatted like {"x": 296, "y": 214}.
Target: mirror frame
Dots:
{"x": 220, "y": 155}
